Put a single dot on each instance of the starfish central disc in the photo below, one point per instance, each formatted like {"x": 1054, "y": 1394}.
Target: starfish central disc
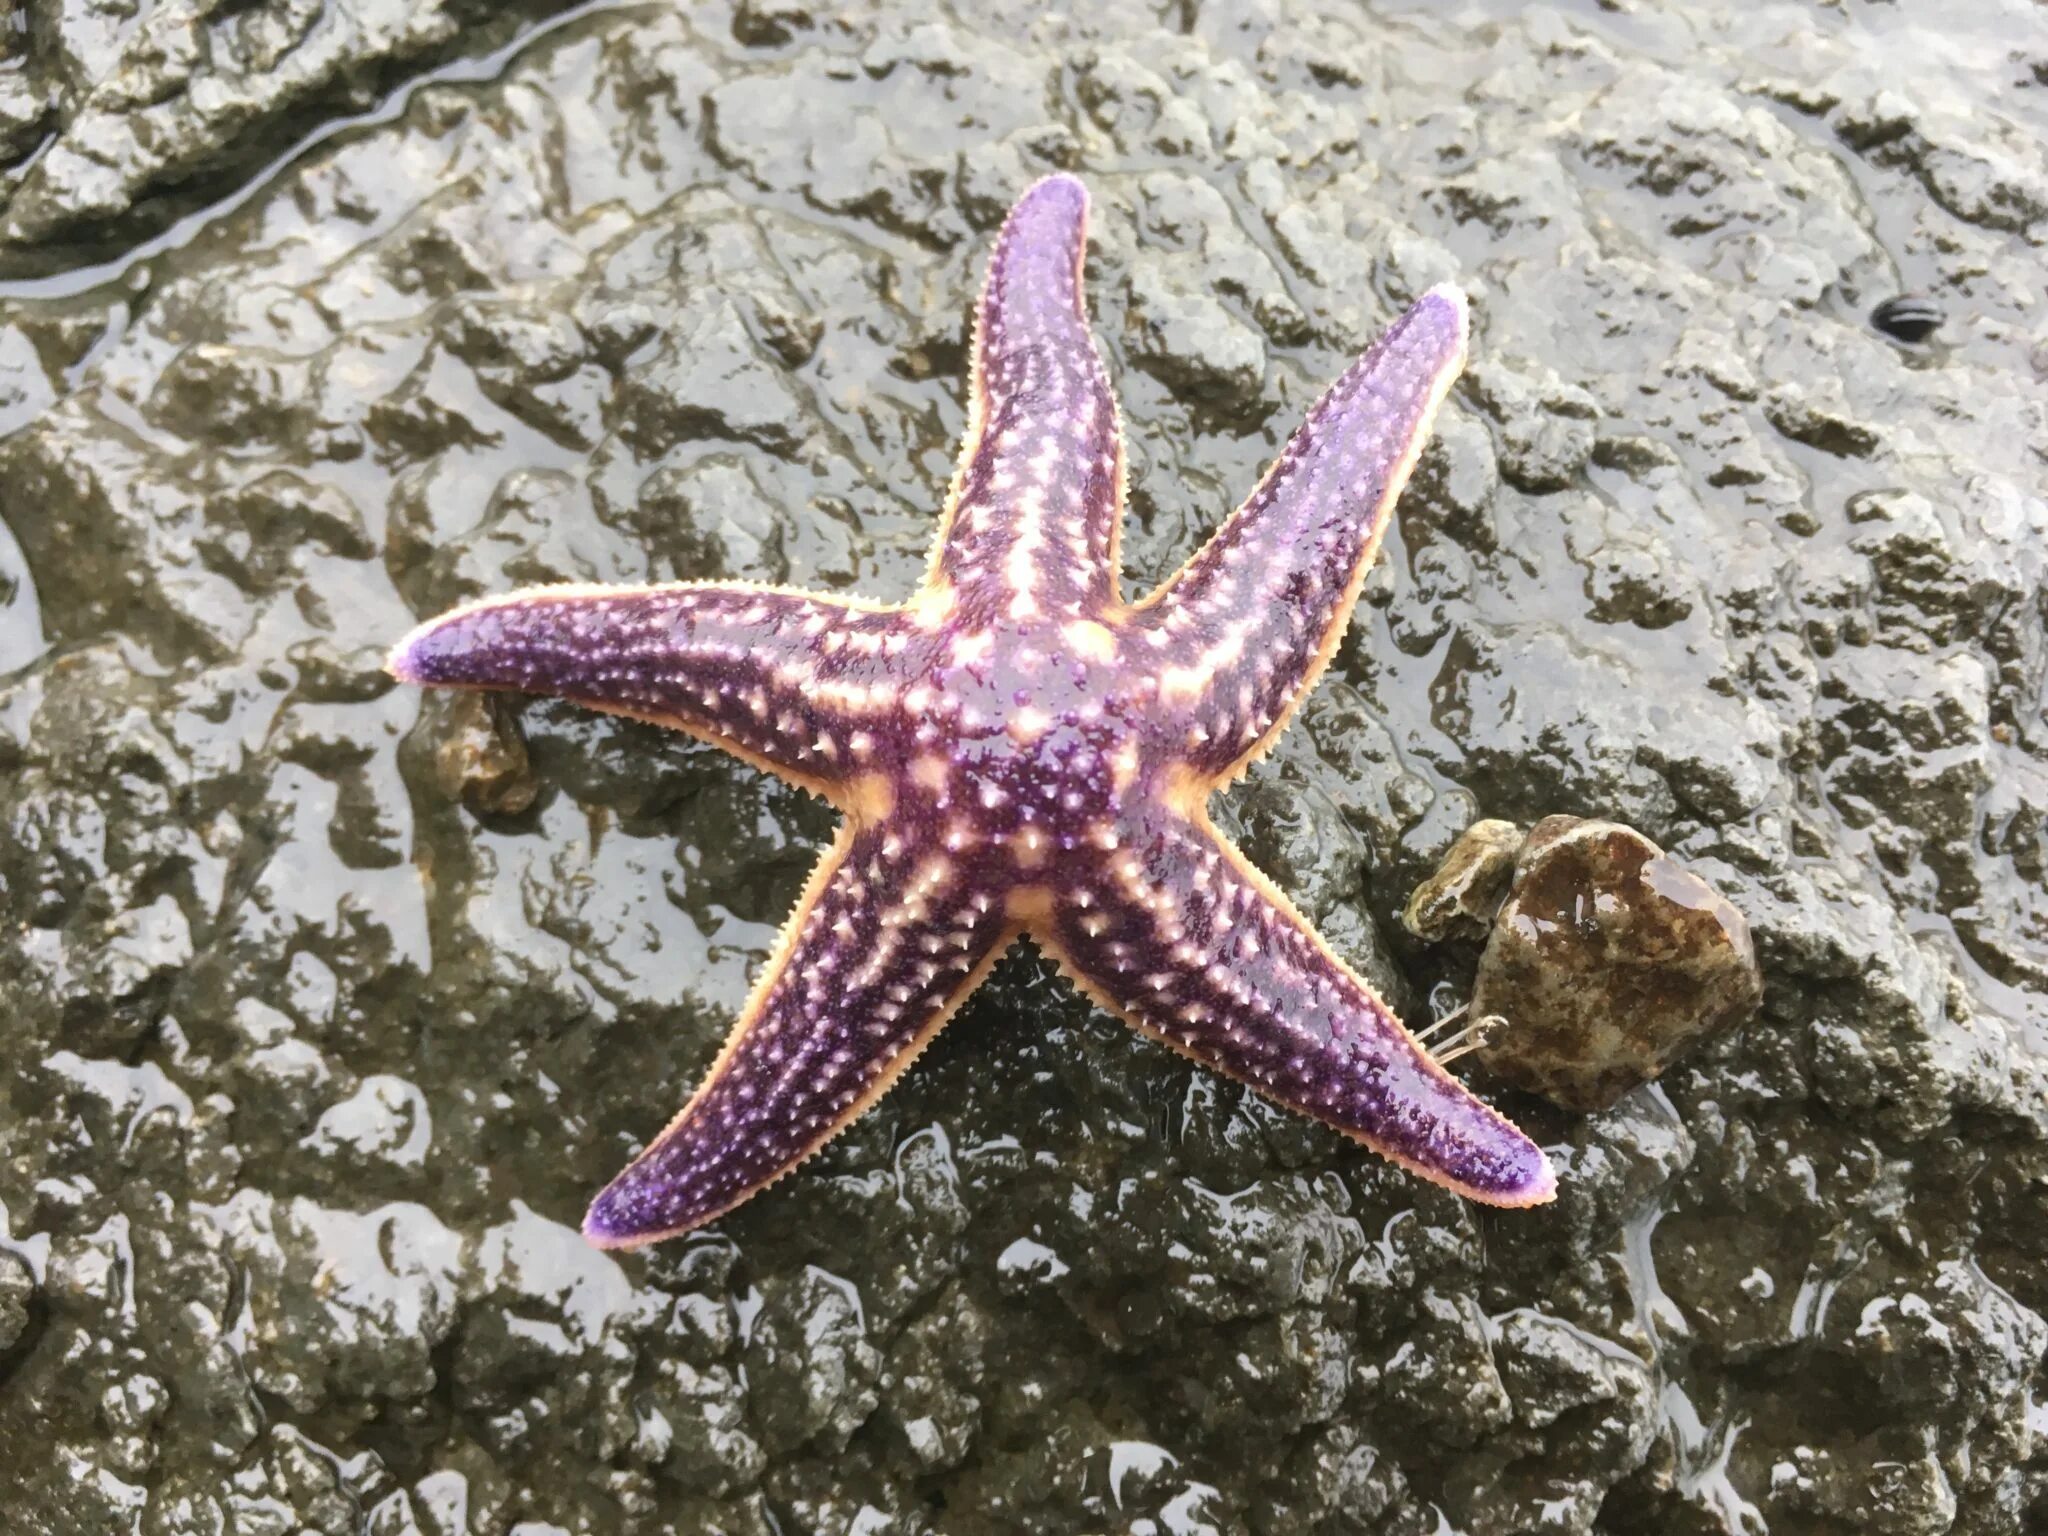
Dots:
{"x": 1017, "y": 750}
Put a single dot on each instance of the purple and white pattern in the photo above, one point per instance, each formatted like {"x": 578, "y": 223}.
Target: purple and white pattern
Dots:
{"x": 1019, "y": 751}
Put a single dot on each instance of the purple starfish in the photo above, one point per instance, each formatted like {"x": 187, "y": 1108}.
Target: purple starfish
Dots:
{"x": 1017, "y": 750}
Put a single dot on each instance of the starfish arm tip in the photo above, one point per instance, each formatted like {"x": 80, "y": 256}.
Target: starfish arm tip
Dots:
{"x": 1522, "y": 1177}
{"x": 610, "y": 1224}
{"x": 1451, "y": 298}
{"x": 1446, "y": 293}
{"x": 1059, "y": 184}
{"x": 401, "y": 662}
{"x": 1541, "y": 1186}
{"x": 417, "y": 658}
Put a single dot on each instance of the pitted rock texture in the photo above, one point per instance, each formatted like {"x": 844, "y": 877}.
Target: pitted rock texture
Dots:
{"x": 113, "y": 108}
{"x": 311, "y": 1060}
{"x": 1609, "y": 961}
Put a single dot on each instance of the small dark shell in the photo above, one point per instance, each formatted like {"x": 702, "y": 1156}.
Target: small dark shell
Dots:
{"x": 1909, "y": 317}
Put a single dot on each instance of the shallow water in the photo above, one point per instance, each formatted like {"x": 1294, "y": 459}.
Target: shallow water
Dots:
{"x": 321, "y": 1016}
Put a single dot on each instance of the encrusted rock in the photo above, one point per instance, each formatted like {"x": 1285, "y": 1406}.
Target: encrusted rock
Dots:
{"x": 1609, "y": 961}
{"x": 1466, "y": 890}
{"x": 483, "y": 758}
{"x": 17, "y": 1287}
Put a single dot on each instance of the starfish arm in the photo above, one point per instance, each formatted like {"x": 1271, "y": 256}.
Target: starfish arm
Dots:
{"x": 1175, "y": 932}
{"x": 1031, "y": 521}
{"x": 887, "y": 940}
{"x": 1245, "y": 627}
{"x": 792, "y": 682}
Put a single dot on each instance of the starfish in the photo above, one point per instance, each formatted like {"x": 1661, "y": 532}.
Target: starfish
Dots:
{"x": 1017, "y": 750}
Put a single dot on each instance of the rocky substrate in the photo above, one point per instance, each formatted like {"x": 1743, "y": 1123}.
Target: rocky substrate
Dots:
{"x": 326, "y": 1008}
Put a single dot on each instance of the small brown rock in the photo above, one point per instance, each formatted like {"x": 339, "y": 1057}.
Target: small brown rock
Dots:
{"x": 1609, "y": 961}
{"x": 1467, "y": 888}
{"x": 482, "y": 757}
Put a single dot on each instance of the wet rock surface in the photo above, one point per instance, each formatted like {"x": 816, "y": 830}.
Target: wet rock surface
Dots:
{"x": 114, "y": 108}
{"x": 1609, "y": 960}
{"x": 310, "y": 1063}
